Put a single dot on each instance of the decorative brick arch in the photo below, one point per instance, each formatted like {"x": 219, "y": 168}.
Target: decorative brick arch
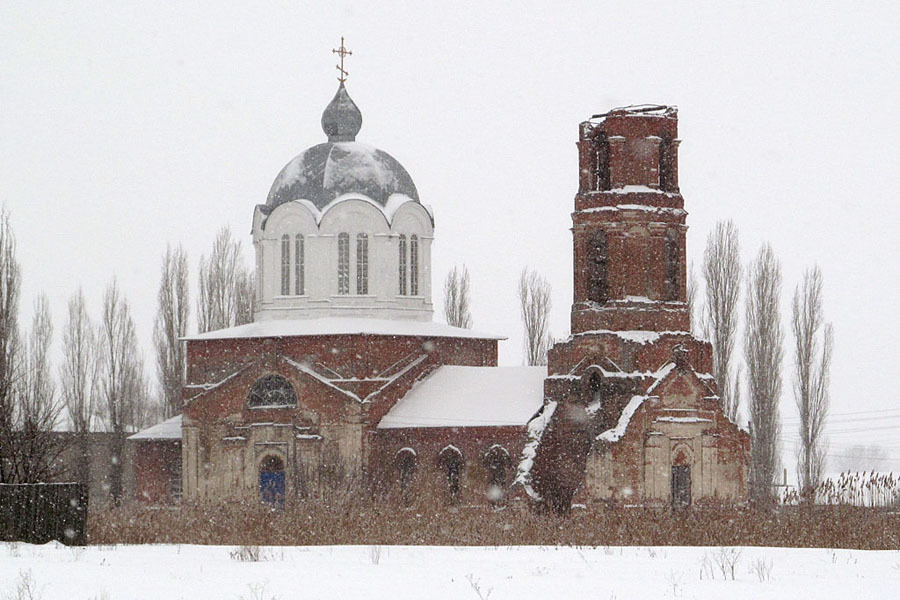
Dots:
{"x": 405, "y": 462}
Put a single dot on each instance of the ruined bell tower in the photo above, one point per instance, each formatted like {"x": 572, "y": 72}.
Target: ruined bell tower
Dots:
{"x": 629, "y": 224}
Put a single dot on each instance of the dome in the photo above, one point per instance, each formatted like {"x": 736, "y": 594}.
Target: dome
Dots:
{"x": 341, "y": 165}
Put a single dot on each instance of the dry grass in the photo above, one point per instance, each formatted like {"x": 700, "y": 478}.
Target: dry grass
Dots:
{"x": 423, "y": 522}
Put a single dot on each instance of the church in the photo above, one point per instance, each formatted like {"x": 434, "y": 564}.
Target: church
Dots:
{"x": 343, "y": 381}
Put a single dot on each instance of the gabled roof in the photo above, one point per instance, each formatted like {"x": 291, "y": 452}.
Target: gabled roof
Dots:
{"x": 457, "y": 396}
{"x": 169, "y": 429}
{"x": 341, "y": 326}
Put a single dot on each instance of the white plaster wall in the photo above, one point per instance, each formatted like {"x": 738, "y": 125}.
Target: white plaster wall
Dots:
{"x": 321, "y": 298}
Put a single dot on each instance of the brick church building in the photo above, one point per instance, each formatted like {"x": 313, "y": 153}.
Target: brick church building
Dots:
{"x": 344, "y": 380}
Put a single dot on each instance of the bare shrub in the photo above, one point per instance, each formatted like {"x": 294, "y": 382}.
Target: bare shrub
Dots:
{"x": 26, "y": 588}
{"x": 257, "y": 592}
{"x": 762, "y": 569}
{"x": 249, "y": 554}
{"x": 429, "y": 520}
{"x": 477, "y": 587}
{"x": 727, "y": 560}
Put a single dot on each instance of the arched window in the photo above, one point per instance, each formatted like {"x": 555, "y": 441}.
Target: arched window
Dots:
{"x": 672, "y": 260}
{"x": 405, "y": 462}
{"x": 498, "y": 462}
{"x": 598, "y": 266}
{"x": 402, "y": 265}
{"x": 362, "y": 264}
{"x": 343, "y": 263}
{"x": 450, "y": 460}
{"x": 272, "y": 391}
{"x": 414, "y": 265}
{"x": 299, "y": 266}
{"x": 601, "y": 163}
{"x": 285, "y": 265}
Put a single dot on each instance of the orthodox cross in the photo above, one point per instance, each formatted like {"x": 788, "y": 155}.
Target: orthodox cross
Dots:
{"x": 342, "y": 52}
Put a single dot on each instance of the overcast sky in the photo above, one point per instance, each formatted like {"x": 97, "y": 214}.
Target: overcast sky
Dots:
{"x": 129, "y": 125}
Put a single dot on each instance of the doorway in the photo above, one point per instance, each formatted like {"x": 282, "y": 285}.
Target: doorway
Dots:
{"x": 681, "y": 486}
{"x": 271, "y": 481}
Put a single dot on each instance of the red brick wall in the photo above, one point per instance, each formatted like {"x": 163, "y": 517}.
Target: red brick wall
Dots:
{"x": 154, "y": 462}
{"x": 428, "y": 442}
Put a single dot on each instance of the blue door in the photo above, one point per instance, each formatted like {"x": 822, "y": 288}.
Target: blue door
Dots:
{"x": 271, "y": 481}
{"x": 271, "y": 487}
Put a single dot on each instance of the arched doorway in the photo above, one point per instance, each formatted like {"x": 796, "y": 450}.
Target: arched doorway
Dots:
{"x": 271, "y": 481}
{"x": 681, "y": 480}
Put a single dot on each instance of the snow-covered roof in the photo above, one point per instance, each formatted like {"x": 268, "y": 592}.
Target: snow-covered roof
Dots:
{"x": 169, "y": 429}
{"x": 342, "y": 326}
{"x": 455, "y": 396}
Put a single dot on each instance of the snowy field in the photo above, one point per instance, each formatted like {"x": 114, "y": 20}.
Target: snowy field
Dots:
{"x": 371, "y": 572}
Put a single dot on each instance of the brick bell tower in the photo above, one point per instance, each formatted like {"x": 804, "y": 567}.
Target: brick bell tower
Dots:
{"x": 629, "y": 317}
{"x": 629, "y": 224}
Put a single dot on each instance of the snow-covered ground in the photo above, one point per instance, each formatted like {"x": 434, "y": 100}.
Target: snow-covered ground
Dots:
{"x": 371, "y": 572}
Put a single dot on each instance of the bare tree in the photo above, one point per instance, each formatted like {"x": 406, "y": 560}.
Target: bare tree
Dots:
{"x": 226, "y": 288}
{"x": 534, "y": 306}
{"x": 763, "y": 352}
{"x": 122, "y": 384}
{"x": 170, "y": 325}
{"x": 812, "y": 363}
{"x": 78, "y": 378}
{"x": 692, "y": 286}
{"x": 722, "y": 274}
{"x": 456, "y": 298}
{"x": 10, "y": 286}
{"x": 37, "y": 406}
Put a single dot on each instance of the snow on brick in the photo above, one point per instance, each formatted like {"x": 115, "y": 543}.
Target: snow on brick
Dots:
{"x": 616, "y": 433}
{"x": 169, "y": 429}
{"x": 458, "y": 396}
{"x": 536, "y": 428}
{"x": 682, "y": 420}
{"x": 341, "y": 326}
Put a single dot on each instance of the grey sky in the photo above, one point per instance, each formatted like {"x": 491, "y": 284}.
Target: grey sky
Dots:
{"x": 123, "y": 127}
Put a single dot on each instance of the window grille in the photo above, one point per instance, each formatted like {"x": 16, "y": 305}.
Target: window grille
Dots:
{"x": 343, "y": 263}
{"x": 414, "y": 265}
{"x": 362, "y": 264}
{"x": 402, "y": 265}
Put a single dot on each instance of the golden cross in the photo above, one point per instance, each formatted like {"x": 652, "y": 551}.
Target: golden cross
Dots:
{"x": 343, "y": 52}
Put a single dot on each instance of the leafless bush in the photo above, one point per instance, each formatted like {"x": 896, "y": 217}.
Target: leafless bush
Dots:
{"x": 249, "y": 554}
{"x": 476, "y": 586}
{"x": 257, "y": 592}
{"x": 762, "y": 569}
{"x": 428, "y": 520}
{"x": 727, "y": 560}
{"x": 26, "y": 588}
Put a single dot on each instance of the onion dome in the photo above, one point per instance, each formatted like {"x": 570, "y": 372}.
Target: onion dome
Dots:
{"x": 341, "y": 165}
{"x": 341, "y": 120}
